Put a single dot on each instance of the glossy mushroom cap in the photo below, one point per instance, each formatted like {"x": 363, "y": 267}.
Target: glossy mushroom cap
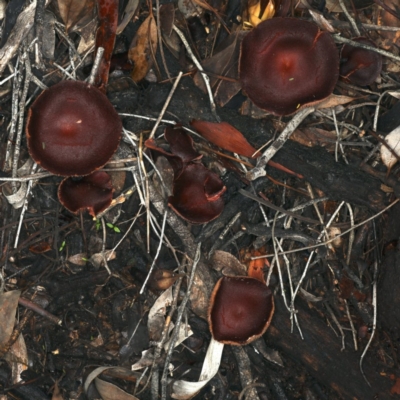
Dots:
{"x": 197, "y": 191}
{"x": 240, "y": 311}
{"x": 72, "y": 129}
{"x": 197, "y": 194}
{"x": 360, "y": 66}
{"x": 93, "y": 192}
{"x": 287, "y": 63}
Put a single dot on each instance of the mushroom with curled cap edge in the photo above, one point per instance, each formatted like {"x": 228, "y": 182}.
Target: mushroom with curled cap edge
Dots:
{"x": 360, "y": 66}
{"x": 286, "y": 64}
{"x": 197, "y": 191}
{"x": 240, "y": 311}
{"x": 93, "y": 192}
{"x": 72, "y": 129}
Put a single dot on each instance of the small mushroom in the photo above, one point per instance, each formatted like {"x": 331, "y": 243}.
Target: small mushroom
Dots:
{"x": 197, "y": 191}
{"x": 360, "y": 66}
{"x": 197, "y": 194}
{"x": 286, "y": 64}
{"x": 92, "y": 192}
{"x": 72, "y": 129}
{"x": 240, "y": 311}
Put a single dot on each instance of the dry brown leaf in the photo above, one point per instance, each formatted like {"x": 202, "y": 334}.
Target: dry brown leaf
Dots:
{"x": 143, "y": 48}
{"x": 167, "y": 18}
{"x": 227, "y": 263}
{"x": 225, "y": 136}
{"x": 73, "y": 11}
{"x": 334, "y": 100}
{"x": 128, "y": 14}
{"x": 8, "y": 308}
{"x": 109, "y": 391}
{"x": 78, "y": 259}
{"x": 311, "y": 137}
{"x": 57, "y": 393}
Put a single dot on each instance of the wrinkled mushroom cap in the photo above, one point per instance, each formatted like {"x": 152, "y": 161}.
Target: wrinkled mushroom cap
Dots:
{"x": 197, "y": 194}
{"x": 240, "y": 311}
{"x": 93, "y": 192}
{"x": 72, "y": 129}
{"x": 360, "y": 66}
{"x": 287, "y": 63}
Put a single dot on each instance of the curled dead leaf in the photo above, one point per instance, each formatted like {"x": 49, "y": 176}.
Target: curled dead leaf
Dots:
{"x": 143, "y": 48}
{"x": 73, "y": 12}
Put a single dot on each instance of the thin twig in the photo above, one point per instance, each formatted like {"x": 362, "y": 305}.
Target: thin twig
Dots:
{"x": 385, "y": 53}
{"x": 205, "y": 77}
{"x": 314, "y": 246}
{"x": 103, "y": 247}
{"x": 350, "y": 18}
{"x": 181, "y": 310}
{"x": 259, "y": 170}
{"x": 166, "y": 104}
{"x": 374, "y": 304}
{"x": 157, "y": 253}
{"x": 353, "y": 329}
{"x": 96, "y": 65}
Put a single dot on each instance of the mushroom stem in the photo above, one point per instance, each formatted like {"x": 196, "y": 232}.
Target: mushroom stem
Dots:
{"x": 259, "y": 169}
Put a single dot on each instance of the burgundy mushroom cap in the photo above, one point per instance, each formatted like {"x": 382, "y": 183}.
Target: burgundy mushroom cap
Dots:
{"x": 240, "y": 311}
{"x": 72, "y": 129}
{"x": 287, "y": 63}
{"x": 360, "y": 66}
{"x": 197, "y": 194}
{"x": 93, "y": 192}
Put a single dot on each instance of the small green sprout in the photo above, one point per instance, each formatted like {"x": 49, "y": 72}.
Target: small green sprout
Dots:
{"x": 62, "y": 245}
{"x": 113, "y": 227}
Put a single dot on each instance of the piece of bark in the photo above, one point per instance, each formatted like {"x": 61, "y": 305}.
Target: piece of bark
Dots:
{"x": 320, "y": 354}
{"x": 337, "y": 180}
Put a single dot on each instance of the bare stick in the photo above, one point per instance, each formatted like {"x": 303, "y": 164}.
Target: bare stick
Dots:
{"x": 157, "y": 253}
{"x": 314, "y": 246}
{"x": 26, "y": 178}
{"x": 39, "y": 310}
{"x": 353, "y": 329}
{"x": 96, "y": 65}
{"x": 103, "y": 249}
{"x": 374, "y": 303}
{"x": 259, "y": 170}
{"x": 181, "y": 309}
{"x": 24, "y": 208}
{"x": 385, "y": 53}
{"x": 205, "y": 77}
{"x": 350, "y": 18}
{"x": 166, "y": 104}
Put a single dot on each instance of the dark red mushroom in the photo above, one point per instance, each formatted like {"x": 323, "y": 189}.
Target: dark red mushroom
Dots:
{"x": 240, "y": 311}
{"x": 72, "y": 129}
{"x": 197, "y": 191}
{"x": 288, "y": 63}
{"x": 360, "y": 66}
{"x": 93, "y": 192}
{"x": 197, "y": 194}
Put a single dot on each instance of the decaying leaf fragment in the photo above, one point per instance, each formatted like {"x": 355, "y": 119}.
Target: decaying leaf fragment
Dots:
{"x": 8, "y": 309}
{"x": 257, "y": 14}
{"x": 73, "y": 11}
{"x": 186, "y": 390}
{"x": 143, "y": 48}
{"x": 393, "y": 141}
